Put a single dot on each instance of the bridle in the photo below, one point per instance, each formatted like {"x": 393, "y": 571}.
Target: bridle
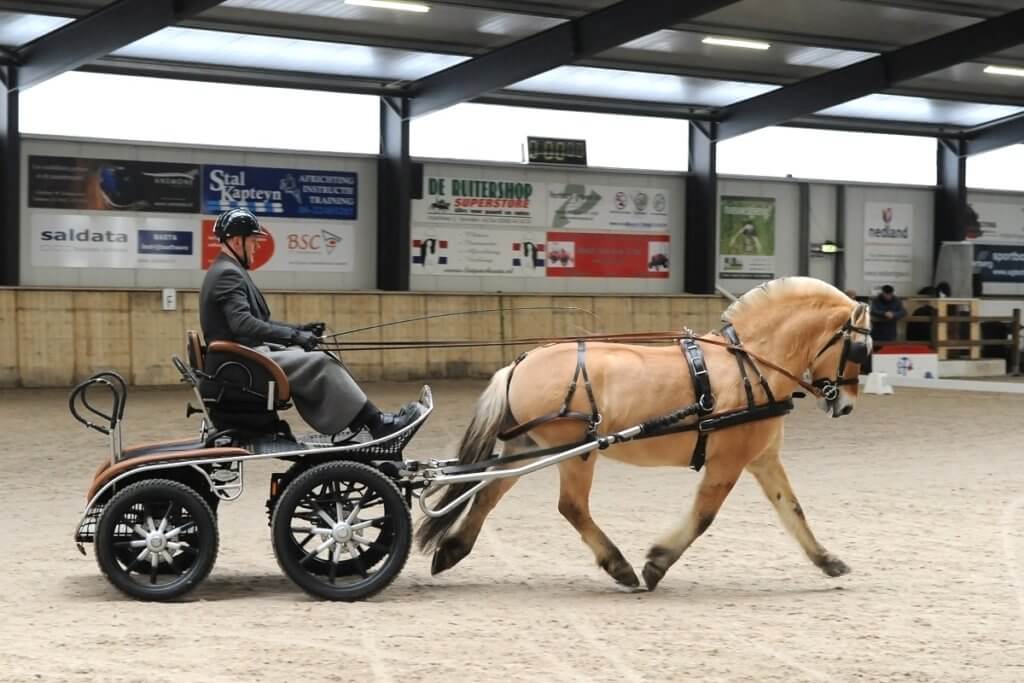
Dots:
{"x": 853, "y": 352}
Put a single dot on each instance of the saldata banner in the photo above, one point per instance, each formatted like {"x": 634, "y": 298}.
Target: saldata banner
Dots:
{"x": 112, "y": 185}
{"x": 746, "y": 235}
{"x": 280, "y": 192}
{"x": 62, "y": 240}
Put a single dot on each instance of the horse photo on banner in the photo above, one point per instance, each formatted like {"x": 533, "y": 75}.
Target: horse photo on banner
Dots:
{"x": 746, "y": 235}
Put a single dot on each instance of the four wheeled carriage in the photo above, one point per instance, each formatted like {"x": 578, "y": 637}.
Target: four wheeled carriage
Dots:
{"x": 339, "y": 515}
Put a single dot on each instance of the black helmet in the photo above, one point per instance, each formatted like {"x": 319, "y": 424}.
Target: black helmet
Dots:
{"x": 237, "y": 223}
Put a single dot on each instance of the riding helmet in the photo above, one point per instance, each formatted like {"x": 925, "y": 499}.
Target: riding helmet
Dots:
{"x": 237, "y": 223}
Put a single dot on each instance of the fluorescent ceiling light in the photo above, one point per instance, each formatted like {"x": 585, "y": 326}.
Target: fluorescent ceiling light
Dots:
{"x": 1004, "y": 71}
{"x": 391, "y": 4}
{"x": 736, "y": 42}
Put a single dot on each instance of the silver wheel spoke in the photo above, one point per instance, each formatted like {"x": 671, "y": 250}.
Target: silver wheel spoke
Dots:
{"x": 167, "y": 557}
{"x": 173, "y": 533}
{"x": 324, "y": 516}
{"x": 165, "y": 520}
{"x": 362, "y": 541}
{"x": 365, "y": 523}
{"x": 140, "y": 531}
{"x": 150, "y": 524}
{"x": 355, "y": 513}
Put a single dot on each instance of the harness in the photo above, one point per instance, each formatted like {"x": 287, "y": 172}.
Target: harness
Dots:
{"x": 707, "y": 420}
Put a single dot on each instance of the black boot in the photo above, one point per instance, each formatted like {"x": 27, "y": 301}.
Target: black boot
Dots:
{"x": 385, "y": 424}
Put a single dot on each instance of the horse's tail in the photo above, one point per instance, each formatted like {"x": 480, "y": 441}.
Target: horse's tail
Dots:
{"x": 477, "y": 445}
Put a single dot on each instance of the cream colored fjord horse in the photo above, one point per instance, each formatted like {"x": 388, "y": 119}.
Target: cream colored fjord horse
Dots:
{"x": 791, "y": 322}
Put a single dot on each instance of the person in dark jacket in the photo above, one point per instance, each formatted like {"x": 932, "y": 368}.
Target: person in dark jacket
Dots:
{"x": 232, "y": 308}
{"x": 886, "y": 309}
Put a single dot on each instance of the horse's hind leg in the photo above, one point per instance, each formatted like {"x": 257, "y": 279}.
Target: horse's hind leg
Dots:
{"x": 576, "y": 476}
{"x": 459, "y": 543}
{"x": 719, "y": 478}
{"x": 768, "y": 471}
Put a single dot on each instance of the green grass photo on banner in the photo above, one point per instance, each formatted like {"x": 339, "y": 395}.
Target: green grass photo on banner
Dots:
{"x": 747, "y": 226}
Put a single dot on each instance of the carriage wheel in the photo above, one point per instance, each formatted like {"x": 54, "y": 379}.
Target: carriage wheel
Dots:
{"x": 351, "y": 527}
{"x": 156, "y": 540}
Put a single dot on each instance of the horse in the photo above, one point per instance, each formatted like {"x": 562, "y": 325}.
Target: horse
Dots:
{"x": 802, "y": 325}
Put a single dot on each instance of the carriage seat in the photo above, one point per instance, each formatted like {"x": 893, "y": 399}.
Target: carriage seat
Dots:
{"x": 235, "y": 381}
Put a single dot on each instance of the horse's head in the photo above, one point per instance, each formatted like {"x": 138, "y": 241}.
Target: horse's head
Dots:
{"x": 808, "y": 327}
{"x": 836, "y": 367}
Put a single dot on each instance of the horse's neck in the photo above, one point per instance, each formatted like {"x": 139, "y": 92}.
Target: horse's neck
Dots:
{"x": 788, "y": 337}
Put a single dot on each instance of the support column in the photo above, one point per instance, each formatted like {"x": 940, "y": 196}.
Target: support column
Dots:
{"x": 701, "y": 209}
{"x": 951, "y": 194}
{"x": 10, "y": 171}
{"x": 394, "y": 192}
{"x": 804, "y": 237}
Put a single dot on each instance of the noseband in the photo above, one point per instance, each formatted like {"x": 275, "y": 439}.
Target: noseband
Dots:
{"x": 853, "y": 352}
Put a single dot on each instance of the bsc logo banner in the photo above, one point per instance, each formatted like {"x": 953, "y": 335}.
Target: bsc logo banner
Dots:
{"x": 287, "y": 193}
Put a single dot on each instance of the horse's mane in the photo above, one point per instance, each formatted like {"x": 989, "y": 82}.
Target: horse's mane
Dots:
{"x": 799, "y": 289}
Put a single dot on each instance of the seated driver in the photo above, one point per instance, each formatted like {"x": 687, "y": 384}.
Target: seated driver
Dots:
{"x": 231, "y": 308}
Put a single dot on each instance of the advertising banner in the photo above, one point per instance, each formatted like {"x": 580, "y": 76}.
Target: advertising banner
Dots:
{"x": 477, "y": 252}
{"x": 577, "y": 206}
{"x": 480, "y": 202}
{"x": 746, "y": 238}
{"x": 574, "y": 254}
{"x": 167, "y": 243}
{"x": 886, "y": 264}
{"x": 61, "y": 240}
{"x": 280, "y": 192}
{"x": 886, "y": 223}
{"x": 999, "y": 262}
{"x": 999, "y": 223}
{"x": 294, "y": 246}
{"x": 109, "y": 185}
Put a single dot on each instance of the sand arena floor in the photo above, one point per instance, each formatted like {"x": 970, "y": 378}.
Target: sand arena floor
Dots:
{"x": 921, "y": 493}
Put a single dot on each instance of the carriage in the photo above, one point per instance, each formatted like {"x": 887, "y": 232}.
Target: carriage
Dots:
{"x": 341, "y": 527}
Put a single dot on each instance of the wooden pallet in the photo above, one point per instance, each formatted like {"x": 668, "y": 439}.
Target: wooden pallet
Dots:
{"x": 948, "y": 312}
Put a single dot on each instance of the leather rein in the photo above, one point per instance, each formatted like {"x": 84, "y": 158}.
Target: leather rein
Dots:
{"x": 622, "y": 338}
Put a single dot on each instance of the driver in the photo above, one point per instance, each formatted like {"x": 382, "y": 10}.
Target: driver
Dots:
{"x": 231, "y": 308}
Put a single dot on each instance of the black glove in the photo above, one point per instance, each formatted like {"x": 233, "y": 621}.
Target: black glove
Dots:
{"x": 316, "y": 328}
{"x": 307, "y": 340}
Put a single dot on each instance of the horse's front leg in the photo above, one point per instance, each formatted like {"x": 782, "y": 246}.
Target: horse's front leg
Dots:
{"x": 768, "y": 471}
{"x": 719, "y": 477}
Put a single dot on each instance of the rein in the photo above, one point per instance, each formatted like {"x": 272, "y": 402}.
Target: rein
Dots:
{"x": 621, "y": 338}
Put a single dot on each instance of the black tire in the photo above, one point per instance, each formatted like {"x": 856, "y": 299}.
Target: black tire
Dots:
{"x": 192, "y": 550}
{"x": 377, "y": 548}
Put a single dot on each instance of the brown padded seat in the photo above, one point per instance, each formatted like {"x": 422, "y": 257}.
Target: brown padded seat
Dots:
{"x": 105, "y": 474}
{"x": 284, "y": 391}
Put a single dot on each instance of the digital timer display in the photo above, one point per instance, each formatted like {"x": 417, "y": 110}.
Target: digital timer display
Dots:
{"x": 556, "y": 151}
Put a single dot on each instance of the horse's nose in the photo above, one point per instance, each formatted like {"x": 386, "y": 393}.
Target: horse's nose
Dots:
{"x": 846, "y": 410}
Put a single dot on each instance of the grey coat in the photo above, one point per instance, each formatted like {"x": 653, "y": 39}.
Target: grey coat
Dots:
{"x": 232, "y": 308}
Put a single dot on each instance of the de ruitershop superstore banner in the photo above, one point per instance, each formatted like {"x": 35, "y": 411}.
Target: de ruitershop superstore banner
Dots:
{"x": 515, "y": 227}
{"x": 94, "y": 236}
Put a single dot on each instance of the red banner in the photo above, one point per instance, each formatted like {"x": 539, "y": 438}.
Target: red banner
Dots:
{"x": 211, "y": 247}
{"x": 580, "y": 254}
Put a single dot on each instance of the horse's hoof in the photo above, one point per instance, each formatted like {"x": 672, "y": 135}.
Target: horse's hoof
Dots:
{"x": 653, "y": 574}
{"x": 447, "y": 555}
{"x": 832, "y": 566}
{"x": 626, "y": 577}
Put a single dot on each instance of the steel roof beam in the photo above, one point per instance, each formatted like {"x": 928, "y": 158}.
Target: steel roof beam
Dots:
{"x": 98, "y": 34}
{"x": 872, "y": 75}
{"x": 996, "y": 135}
{"x": 577, "y": 39}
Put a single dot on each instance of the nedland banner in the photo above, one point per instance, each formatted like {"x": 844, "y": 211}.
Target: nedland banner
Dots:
{"x": 575, "y": 254}
{"x": 479, "y": 251}
{"x": 999, "y": 223}
{"x": 294, "y": 246}
{"x": 746, "y": 238}
{"x": 112, "y": 185}
{"x": 465, "y": 201}
{"x": 61, "y": 240}
{"x": 578, "y": 206}
{"x": 888, "y": 243}
{"x": 280, "y": 192}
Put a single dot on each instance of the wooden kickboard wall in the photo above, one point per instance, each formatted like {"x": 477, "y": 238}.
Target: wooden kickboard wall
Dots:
{"x": 56, "y": 338}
